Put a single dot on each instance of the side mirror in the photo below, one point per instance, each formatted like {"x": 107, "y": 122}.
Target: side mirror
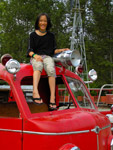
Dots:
{"x": 92, "y": 75}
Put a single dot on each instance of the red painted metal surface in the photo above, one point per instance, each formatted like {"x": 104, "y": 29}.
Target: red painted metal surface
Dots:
{"x": 11, "y": 133}
{"x": 87, "y": 129}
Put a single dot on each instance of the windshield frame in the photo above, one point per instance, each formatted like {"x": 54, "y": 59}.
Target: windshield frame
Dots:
{"x": 77, "y": 107}
{"x": 86, "y": 90}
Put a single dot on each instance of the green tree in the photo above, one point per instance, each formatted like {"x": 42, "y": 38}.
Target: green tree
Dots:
{"x": 17, "y": 21}
{"x": 99, "y": 41}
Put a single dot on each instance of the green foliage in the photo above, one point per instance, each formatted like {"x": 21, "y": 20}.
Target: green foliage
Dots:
{"x": 18, "y": 19}
{"x": 99, "y": 41}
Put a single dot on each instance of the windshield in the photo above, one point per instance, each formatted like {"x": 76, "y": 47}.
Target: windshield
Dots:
{"x": 80, "y": 93}
{"x": 62, "y": 96}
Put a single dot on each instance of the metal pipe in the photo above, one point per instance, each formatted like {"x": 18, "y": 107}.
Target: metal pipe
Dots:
{"x": 101, "y": 91}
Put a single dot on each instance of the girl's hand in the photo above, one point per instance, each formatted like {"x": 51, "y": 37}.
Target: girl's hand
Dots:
{"x": 38, "y": 58}
{"x": 64, "y": 49}
{"x": 61, "y": 50}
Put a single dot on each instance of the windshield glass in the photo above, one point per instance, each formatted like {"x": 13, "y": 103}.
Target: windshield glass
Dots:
{"x": 80, "y": 93}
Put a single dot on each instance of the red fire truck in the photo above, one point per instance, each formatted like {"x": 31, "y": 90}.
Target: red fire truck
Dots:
{"x": 75, "y": 125}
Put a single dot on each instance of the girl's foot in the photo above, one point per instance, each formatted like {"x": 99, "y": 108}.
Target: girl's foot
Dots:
{"x": 37, "y": 99}
{"x": 52, "y": 106}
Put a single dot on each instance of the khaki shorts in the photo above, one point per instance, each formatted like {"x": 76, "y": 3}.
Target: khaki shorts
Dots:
{"x": 48, "y": 65}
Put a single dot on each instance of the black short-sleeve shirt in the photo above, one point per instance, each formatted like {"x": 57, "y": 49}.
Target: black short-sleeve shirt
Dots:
{"x": 42, "y": 45}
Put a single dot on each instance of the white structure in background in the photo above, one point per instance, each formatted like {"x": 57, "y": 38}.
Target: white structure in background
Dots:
{"x": 77, "y": 39}
{"x": 111, "y": 2}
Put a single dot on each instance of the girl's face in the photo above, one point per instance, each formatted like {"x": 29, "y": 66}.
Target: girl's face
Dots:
{"x": 42, "y": 23}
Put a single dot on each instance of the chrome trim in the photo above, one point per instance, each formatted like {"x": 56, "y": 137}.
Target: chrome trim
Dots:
{"x": 10, "y": 130}
{"x": 97, "y": 142}
{"x": 96, "y": 129}
{"x": 106, "y": 127}
{"x": 61, "y": 133}
{"x": 45, "y": 133}
{"x": 112, "y": 129}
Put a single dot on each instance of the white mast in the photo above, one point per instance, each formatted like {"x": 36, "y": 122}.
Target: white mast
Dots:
{"x": 77, "y": 39}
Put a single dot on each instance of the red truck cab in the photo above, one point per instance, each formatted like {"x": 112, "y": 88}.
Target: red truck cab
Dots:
{"x": 75, "y": 125}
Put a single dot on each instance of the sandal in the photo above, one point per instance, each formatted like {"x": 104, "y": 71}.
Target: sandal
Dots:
{"x": 39, "y": 99}
{"x": 52, "y": 108}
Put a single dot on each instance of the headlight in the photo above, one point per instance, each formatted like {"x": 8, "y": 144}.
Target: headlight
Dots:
{"x": 75, "y": 148}
{"x": 69, "y": 146}
{"x": 12, "y": 66}
{"x": 111, "y": 145}
{"x": 110, "y": 116}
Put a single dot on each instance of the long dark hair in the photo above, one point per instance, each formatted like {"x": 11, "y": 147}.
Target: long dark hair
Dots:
{"x": 49, "y": 25}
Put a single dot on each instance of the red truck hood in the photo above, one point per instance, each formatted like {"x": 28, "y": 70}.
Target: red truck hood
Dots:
{"x": 68, "y": 122}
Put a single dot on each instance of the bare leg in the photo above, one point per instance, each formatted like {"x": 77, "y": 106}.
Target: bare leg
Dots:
{"x": 52, "y": 90}
{"x": 36, "y": 78}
